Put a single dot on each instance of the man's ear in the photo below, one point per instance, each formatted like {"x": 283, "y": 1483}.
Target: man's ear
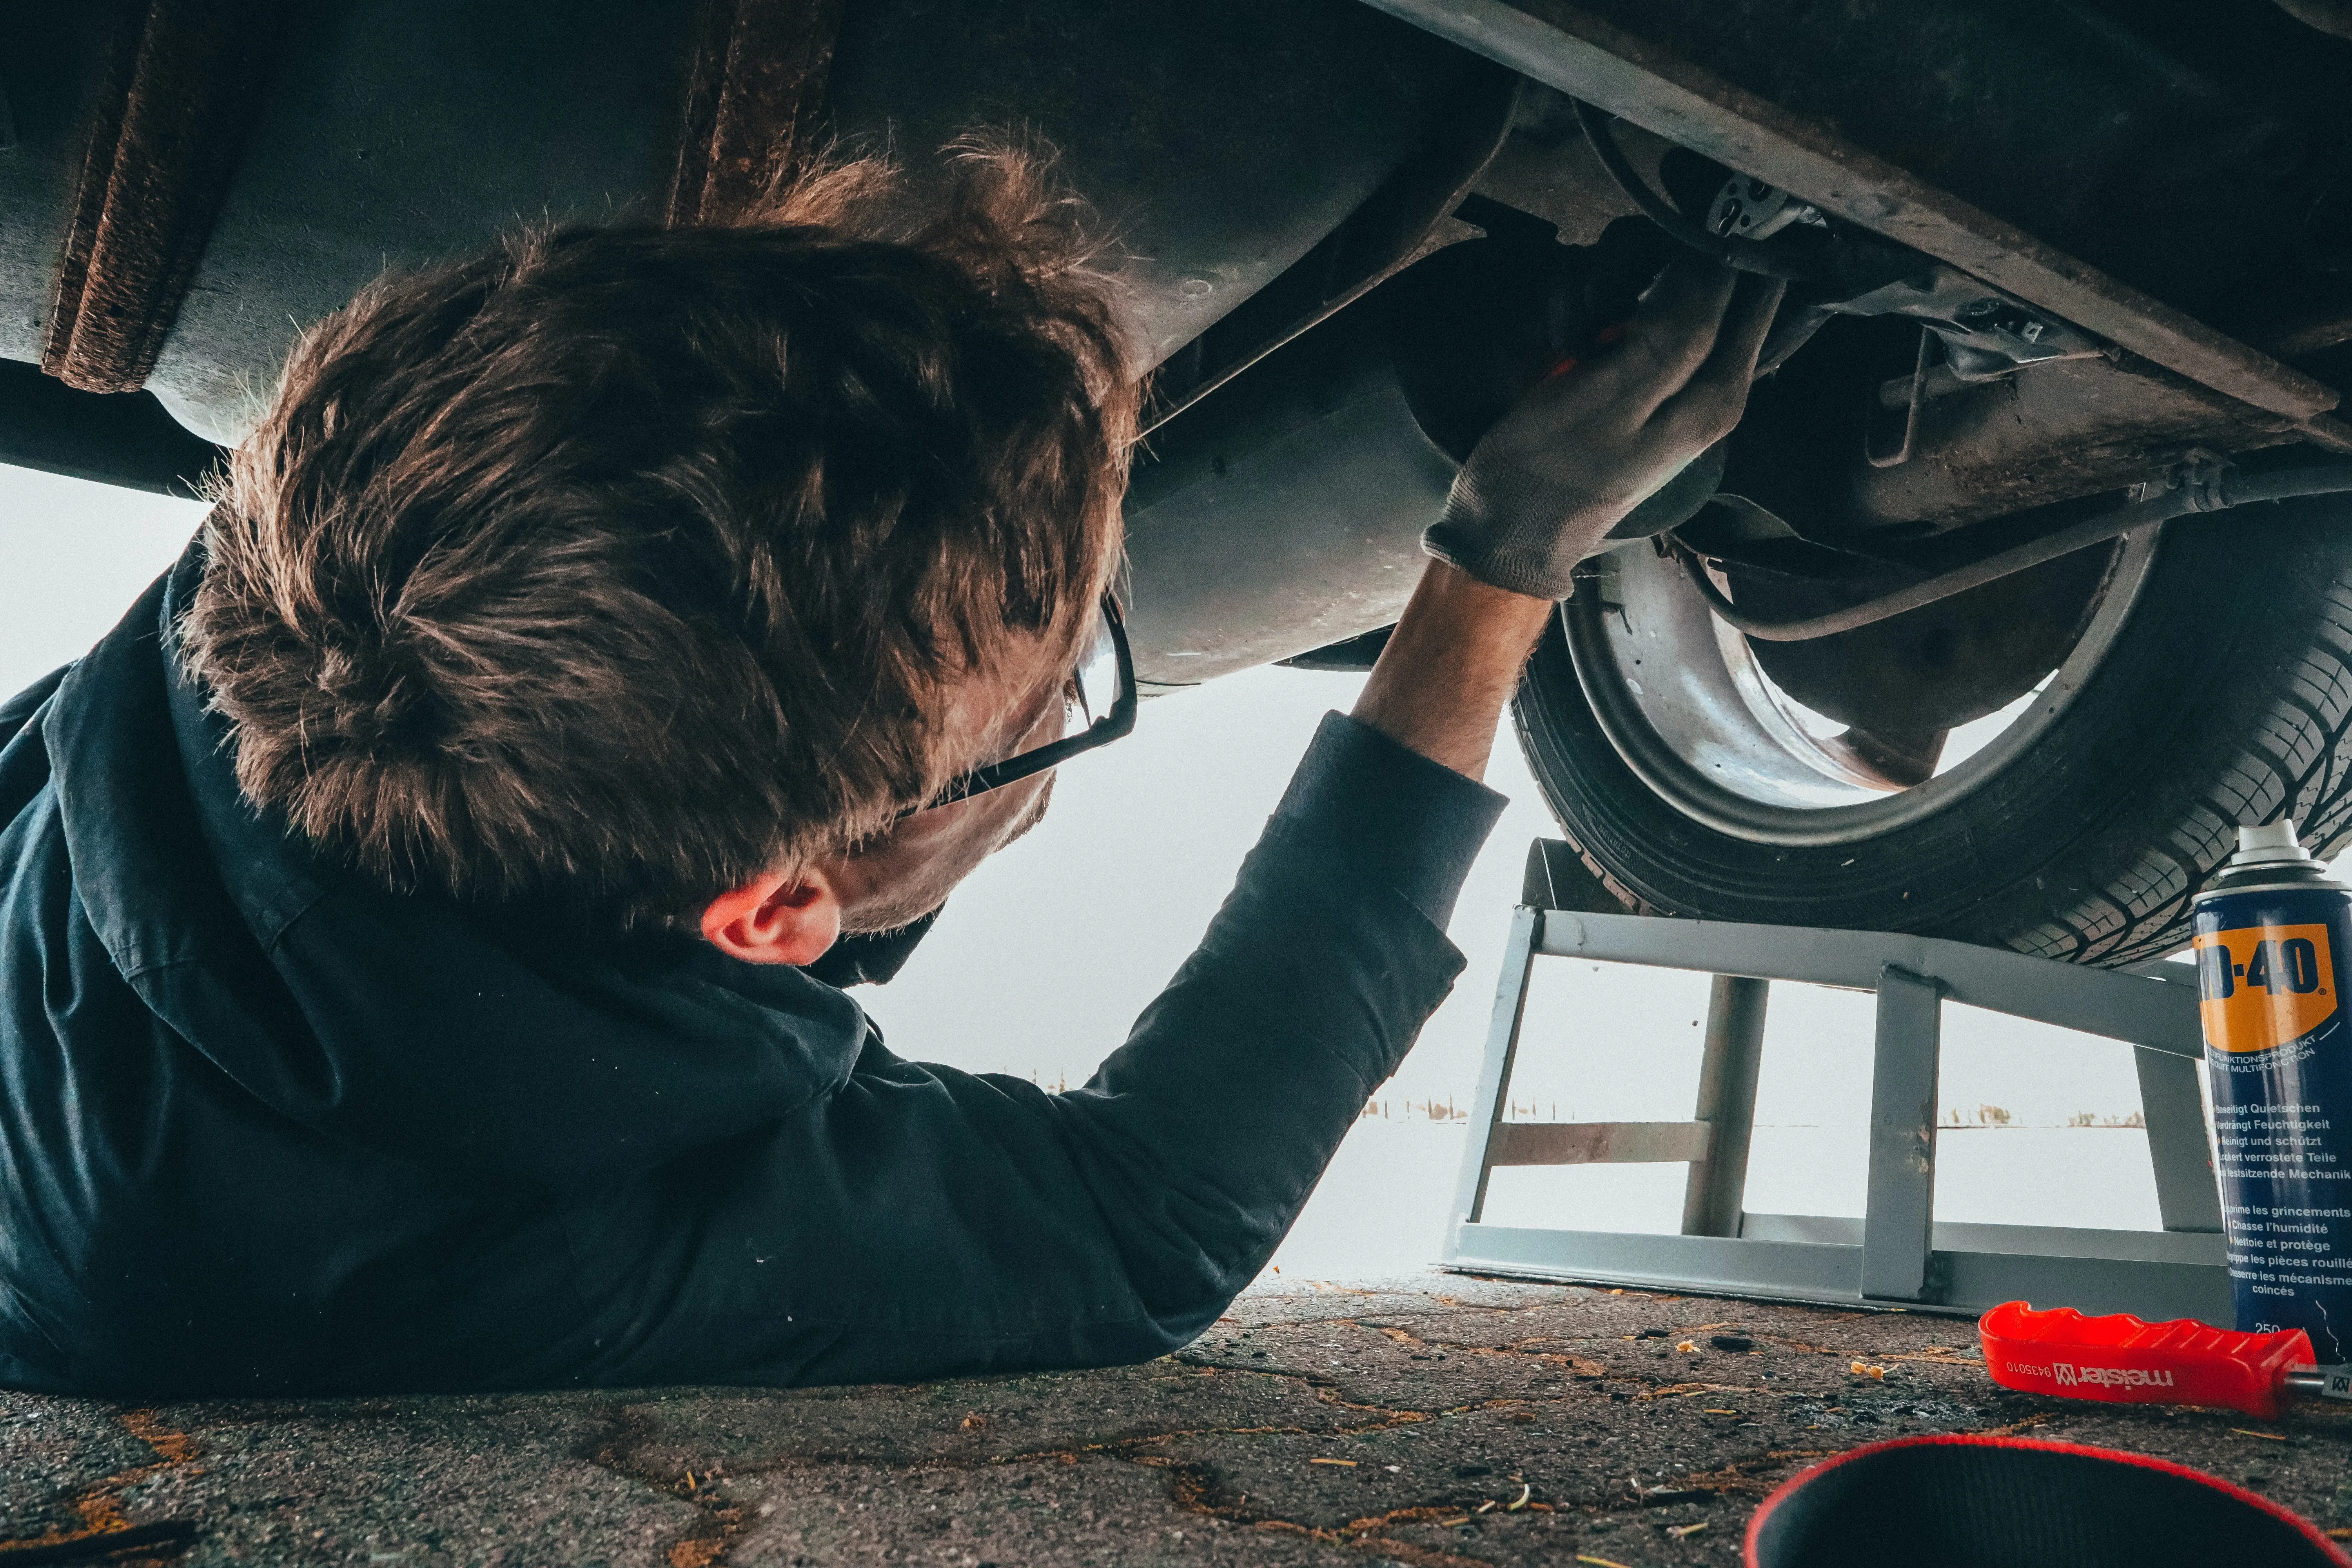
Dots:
{"x": 777, "y": 917}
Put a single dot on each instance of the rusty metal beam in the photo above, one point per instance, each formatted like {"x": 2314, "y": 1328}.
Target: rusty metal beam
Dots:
{"x": 1599, "y": 1143}
{"x": 1568, "y": 49}
{"x": 755, "y": 104}
{"x": 179, "y": 96}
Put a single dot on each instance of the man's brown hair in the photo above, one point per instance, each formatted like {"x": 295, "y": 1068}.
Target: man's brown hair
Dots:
{"x": 617, "y": 565}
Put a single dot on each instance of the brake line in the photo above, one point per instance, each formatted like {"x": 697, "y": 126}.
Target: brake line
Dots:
{"x": 2217, "y": 494}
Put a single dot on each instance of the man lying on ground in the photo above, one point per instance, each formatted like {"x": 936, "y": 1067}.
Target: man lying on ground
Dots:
{"x": 423, "y": 917}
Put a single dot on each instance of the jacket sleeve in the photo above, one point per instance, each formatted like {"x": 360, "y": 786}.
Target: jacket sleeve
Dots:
{"x": 925, "y": 1221}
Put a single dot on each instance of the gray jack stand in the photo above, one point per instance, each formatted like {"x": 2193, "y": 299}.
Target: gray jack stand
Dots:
{"x": 1898, "y": 1254}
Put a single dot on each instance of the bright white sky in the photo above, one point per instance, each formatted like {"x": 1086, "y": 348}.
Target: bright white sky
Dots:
{"x": 1044, "y": 959}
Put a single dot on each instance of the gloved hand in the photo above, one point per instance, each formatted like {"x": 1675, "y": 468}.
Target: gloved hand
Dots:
{"x": 1545, "y": 484}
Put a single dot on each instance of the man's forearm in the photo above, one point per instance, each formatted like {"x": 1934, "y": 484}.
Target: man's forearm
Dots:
{"x": 1451, "y": 663}
{"x": 1542, "y": 492}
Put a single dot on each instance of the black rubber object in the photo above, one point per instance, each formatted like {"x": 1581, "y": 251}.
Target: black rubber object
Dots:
{"x": 2012, "y": 1502}
{"x": 2226, "y": 698}
{"x": 114, "y": 438}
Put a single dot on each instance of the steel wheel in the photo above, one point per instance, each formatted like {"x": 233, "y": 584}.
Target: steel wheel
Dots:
{"x": 2208, "y": 681}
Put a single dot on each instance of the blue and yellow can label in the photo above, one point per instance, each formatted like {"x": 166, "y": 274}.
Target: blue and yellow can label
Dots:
{"x": 2278, "y": 1055}
{"x": 2265, "y": 988}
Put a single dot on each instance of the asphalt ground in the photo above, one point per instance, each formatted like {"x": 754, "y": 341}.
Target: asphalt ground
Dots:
{"x": 1441, "y": 1420}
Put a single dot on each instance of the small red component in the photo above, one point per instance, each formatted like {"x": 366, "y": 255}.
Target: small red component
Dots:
{"x": 1614, "y": 332}
{"x": 2123, "y": 1361}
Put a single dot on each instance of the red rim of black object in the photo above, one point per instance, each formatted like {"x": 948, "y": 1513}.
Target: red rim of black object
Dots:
{"x": 1821, "y": 1516}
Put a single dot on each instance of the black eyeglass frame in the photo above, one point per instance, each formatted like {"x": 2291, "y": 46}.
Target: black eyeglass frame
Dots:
{"x": 1119, "y": 721}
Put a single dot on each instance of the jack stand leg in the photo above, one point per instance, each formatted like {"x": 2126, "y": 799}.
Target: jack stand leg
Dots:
{"x": 2188, "y": 1196}
{"x": 1486, "y": 1108}
{"x": 1716, "y": 1196}
{"x": 1900, "y": 1211}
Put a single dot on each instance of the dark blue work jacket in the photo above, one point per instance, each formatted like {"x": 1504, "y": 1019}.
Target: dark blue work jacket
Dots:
{"x": 266, "y": 1128}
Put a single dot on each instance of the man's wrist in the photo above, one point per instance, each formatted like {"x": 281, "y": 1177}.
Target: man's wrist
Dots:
{"x": 1449, "y": 667}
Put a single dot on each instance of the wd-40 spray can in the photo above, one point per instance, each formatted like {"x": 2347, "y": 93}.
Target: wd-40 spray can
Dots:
{"x": 2269, "y": 935}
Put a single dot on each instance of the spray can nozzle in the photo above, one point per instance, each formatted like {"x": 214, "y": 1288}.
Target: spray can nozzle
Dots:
{"x": 2268, "y": 855}
{"x": 2269, "y": 844}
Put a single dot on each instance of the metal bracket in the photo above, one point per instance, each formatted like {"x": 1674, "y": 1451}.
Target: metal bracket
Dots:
{"x": 1640, "y": 80}
{"x": 1748, "y": 208}
{"x": 1886, "y": 442}
{"x": 1898, "y": 1253}
{"x": 1901, "y": 1208}
{"x": 2199, "y": 475}
{"x": 1986, "y": 333}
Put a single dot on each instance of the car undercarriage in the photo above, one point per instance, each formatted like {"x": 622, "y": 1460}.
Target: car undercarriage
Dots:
{"x": 2019, "y": 586}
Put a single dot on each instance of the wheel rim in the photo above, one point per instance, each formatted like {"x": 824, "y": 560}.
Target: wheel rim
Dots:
{"x": 1686, "y": 705}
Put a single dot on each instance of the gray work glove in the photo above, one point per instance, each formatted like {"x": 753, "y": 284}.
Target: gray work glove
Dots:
{"x": 1546, "y": 485}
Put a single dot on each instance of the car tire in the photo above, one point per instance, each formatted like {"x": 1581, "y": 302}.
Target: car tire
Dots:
{"x": 2223, "y": 696}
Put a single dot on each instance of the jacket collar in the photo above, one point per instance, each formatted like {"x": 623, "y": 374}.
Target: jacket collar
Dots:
{"x": 428, "y": 1029}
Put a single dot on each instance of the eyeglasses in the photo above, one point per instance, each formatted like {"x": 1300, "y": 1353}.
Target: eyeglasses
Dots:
{"x": 1098, "y": 706}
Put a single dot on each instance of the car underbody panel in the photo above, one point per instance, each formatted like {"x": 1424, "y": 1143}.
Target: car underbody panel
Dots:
{"x": 400, "y": 133}
{"x": 2176, "y": 224}
{"x": 2044, "y": 255}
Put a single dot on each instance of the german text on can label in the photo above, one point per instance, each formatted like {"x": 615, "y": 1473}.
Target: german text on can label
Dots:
{"x": 2278, "y": 1054}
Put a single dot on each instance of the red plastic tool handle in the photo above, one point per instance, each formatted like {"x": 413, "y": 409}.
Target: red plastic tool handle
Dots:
{"x": 2123, "y": 1361}
{"x": 1613, "y": 333}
